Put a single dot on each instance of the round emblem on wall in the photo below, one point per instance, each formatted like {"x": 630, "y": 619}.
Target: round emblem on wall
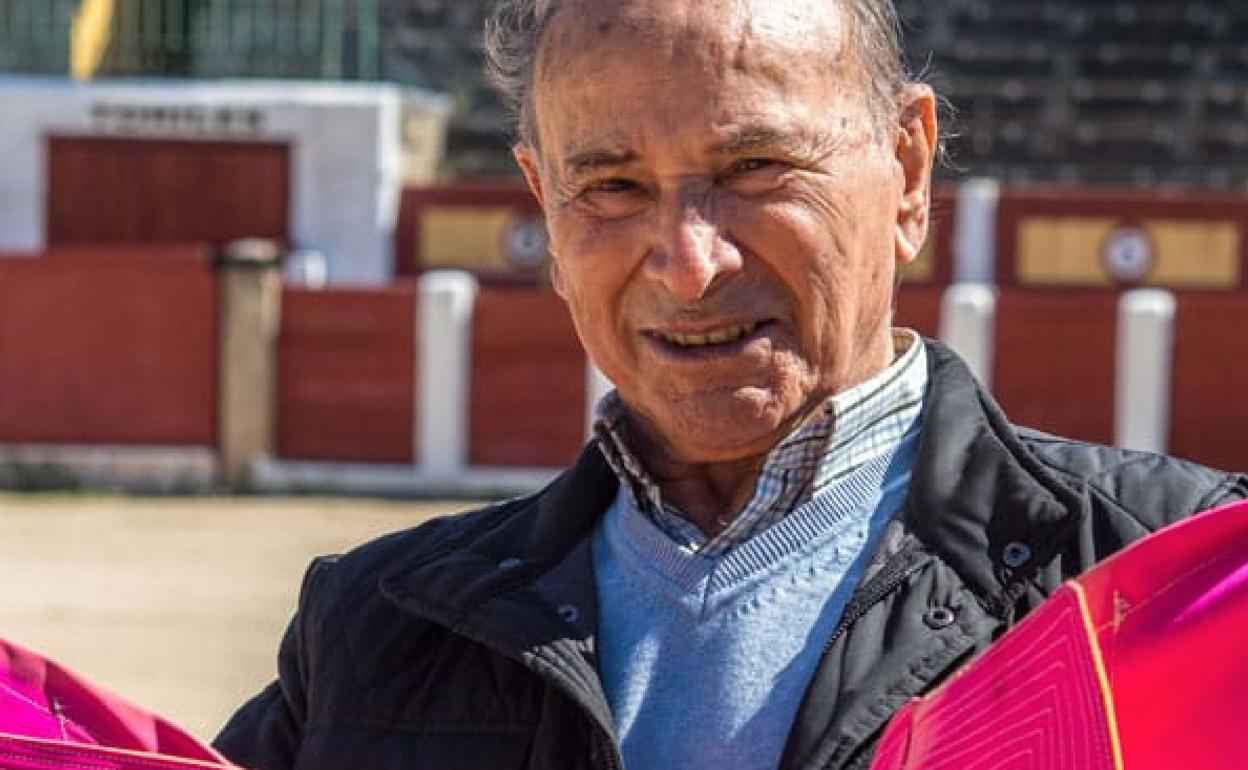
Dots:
{"x": 1128, "y": 254}
{"x": 526, "y": 242}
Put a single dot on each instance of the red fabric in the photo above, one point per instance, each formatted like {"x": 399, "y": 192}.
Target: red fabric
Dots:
{"x": 1172, "y": 621}
{"x": 1030, "y": 701}
{"x": 19, "y": 752}
{"x": 1143, "y": 655}
{"x": 52, "y": 718}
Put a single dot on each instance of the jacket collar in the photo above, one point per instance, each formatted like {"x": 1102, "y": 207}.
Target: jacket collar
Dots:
{"x": 979, "y": 498}
{"x": 477, "y": 557}
{"x": 519, "y": 579}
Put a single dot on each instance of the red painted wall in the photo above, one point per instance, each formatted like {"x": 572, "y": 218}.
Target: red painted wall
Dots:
{"x": 109, "y": 348}
{"x": 918, "y": 308}
{"x": 129, "y": 190}
{"x": 1209, "y": 412}
{"x": 117, "y": 344}
{"x": 1054, "y": 361}
{"x": 347, "y": 374}
{"x": 528, "y": 380}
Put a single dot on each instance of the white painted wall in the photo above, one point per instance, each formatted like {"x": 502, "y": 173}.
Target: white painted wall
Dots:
{"x": 347, "y": 163}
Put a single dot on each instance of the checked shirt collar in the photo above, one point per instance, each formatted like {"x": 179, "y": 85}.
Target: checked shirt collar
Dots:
{"x": 857, "y": 425}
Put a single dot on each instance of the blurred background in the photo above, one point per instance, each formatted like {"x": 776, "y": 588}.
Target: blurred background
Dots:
{"x": 280, "y": 247}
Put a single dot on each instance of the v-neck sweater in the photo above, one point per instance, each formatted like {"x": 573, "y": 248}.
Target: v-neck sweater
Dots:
{"x": 705, "y": 659}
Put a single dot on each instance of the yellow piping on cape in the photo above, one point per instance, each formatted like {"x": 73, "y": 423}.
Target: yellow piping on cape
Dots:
{"x": 1102, "y": 675}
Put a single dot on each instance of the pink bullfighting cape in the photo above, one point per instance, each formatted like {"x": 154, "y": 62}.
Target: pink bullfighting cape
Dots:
{"x": 53, "y": 719}
{"x": 1140, "y": 664}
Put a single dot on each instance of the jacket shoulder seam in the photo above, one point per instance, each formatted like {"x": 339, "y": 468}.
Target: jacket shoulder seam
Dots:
{"x": 1090, "y": 480}
{"x": 1218, "y": 495}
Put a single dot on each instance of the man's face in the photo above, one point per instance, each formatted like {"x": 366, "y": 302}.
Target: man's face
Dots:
{"x": 725, "y": 222}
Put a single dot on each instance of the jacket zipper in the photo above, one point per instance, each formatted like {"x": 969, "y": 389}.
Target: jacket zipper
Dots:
{"x": 893, "y": 575}
{"x": 607, "y": 749}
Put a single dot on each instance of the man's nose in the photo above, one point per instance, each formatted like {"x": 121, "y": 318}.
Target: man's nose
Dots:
{"x": 691, "y": 252}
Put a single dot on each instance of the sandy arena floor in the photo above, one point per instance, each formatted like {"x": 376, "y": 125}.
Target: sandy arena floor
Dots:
{"x": 176, "y": 603}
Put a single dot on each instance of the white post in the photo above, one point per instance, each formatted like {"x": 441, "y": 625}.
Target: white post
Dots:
{"x": 446, "y": 300}
{"x": 968, "y": 316}
{"x": 975, "y": 240}
{"x": 1145, "y": 346}
{"x": 596, "y": 386}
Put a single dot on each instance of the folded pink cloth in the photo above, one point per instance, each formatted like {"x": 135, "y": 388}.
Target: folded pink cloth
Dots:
{"x": 1140, "y": 664}
{"x": 51, "y": 719}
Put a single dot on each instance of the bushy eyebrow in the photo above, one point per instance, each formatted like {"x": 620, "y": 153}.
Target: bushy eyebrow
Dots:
{"x": 766, "y": 137}
{"x": 581, "y": 163}
{"x": 752, "y": 138}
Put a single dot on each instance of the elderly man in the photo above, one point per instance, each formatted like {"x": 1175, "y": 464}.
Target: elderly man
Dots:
{"x": 794, "y": 517}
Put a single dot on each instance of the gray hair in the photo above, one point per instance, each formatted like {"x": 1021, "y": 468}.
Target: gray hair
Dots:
{"x": 514, "y": 30}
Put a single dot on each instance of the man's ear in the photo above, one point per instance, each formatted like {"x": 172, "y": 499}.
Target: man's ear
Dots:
{"x": 916, "y": 151}
{"x": 527, "y": 158}
{"x": 556, "y": 277}
{"x": 530, "y": 165}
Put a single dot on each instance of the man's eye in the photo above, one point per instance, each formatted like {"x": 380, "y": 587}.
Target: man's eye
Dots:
{"x": 747, "y": 165}
{"x": 755, "y": 176}
{"x": 612, "y": 197}
{"x": 612, "y": 185}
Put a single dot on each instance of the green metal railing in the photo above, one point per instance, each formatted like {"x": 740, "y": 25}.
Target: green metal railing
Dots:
{"x": 34, "y": 35}
{"x": 330, "y": 39}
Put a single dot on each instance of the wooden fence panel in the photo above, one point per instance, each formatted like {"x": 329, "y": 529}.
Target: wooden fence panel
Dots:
{"x": 1054, "y": 361}
{"x": 528, "y": 380}
{"x": 126, "y": 190}
{"x": 347, "y": 375}
{"x": 918, "y": 308}
{"x": 108, "y": 349}
{"x": 1209, "y": 410}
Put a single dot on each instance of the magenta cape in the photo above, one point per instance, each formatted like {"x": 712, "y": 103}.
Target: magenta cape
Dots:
{"x": 1140, "y": 664}
{"x": 53, "y": 719}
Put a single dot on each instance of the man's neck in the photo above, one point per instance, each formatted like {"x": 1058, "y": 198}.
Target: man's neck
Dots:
{"x": 708, "y": 495}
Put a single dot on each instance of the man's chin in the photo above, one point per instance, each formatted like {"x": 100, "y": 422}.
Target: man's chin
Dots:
{"x": 726, "y": 427}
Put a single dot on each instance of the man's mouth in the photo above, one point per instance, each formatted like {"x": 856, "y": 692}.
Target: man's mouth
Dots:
{"x": 722, "y": 336}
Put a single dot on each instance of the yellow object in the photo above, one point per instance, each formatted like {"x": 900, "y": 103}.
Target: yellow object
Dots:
{"x": 1182, "y": 254}
{"x": 1063, "y": 251}
{"x": 459, "y": 236}
{"x": 1195, "y": 255}
{"x": 90, "y": 36}
{"x": 1102, "y": 673}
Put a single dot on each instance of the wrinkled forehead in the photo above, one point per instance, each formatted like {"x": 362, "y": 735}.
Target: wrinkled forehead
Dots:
{"x": 720, "y": 34}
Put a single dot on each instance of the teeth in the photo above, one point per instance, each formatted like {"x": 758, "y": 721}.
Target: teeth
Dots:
{"x": 718, "y": 337}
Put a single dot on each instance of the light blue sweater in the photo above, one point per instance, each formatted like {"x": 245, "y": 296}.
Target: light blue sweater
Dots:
{"x": 705, "y": 661}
